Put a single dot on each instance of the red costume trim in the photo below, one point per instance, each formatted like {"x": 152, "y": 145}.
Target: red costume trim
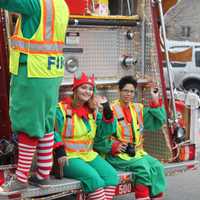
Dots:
{"x": 141, "y": 191}
{"x": 25, "y": 139}
{"x": 108, "y": 121}
{"x": 115, "y": 146}
{"x": 81, "y": 111}
{"x": 58, "y": 144}
{"x": 155, "y": 104}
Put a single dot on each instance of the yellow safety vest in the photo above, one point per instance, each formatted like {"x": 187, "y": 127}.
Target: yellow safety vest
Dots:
{"x": 130, "y": 132}
{"x": 45, "y": 47}
{"x": 78, "y": 140}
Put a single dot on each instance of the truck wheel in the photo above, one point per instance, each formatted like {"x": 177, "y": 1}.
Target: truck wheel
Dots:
{"x": 193, "y": 87}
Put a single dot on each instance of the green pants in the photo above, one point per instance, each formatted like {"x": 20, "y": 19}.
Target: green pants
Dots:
{"x": 147, "y": 171}
{"x": 33, "y": 103}
{"x": 93, "y": 175}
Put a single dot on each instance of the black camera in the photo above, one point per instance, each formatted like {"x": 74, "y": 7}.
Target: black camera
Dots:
{"x": 130, "y": 150}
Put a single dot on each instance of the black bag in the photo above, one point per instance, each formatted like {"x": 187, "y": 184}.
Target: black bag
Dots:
{"x": 8, "y": 152}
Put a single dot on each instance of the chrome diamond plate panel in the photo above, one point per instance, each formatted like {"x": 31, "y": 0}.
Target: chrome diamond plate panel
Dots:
{"x": 100, "y": 52}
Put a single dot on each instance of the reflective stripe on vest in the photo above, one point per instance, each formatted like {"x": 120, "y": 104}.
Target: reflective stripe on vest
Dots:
{"x": 26, "y": 45}
{"x": 126, "y": 129}
{"x": 78, "y": 146}
{"x": 140, "y": 117}
{"x": 136, "y": 119}
{"x": 68, "y": 121}
{"x": 44, "y": 49}
{"x": 69, "y": 124}
{"x": 71, "y": 144}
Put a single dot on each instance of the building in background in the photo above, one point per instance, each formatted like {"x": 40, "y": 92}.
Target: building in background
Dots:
{"x": 183, "y": 21}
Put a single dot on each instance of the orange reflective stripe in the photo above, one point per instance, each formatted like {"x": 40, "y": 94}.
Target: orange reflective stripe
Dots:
{"x": 45, "y": 18}
{"x": 126, "y": 128}
{"x": 86, "y": 142}
{"x": 53, "y": 22}
{"x": 15, "y": 37}
{"x": 121, "y": 127}
{"x": 72, "y": 127}
{"x": 68, "y": 133}
{"x": 78, "y": 146}
{"x": 34, "y": 46}
{"x": 140, "y": 143}
{"x": 138, "y": 111}
{"x": 77, "y": 149}
{"x": 38, "y": 52}
{"x": 48, "y": 19}
{"x": 16, "y": 31}
{"x": 68, "y": 130}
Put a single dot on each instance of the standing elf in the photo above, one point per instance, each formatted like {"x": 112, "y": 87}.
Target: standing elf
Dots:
{"x": 37, "y": 68}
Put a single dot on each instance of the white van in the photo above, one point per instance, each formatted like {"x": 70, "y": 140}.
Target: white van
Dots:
{"x": 186, "y": 74}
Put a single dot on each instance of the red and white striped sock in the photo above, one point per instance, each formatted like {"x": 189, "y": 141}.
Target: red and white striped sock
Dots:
{"x": 97, "y": 195}
{"x": 44, "y": 156}
{"x": 26, "y": 150}
{"x": 110, "y": 192}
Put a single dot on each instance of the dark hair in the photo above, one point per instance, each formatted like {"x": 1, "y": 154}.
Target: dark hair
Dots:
{"x": 127, "y": 80}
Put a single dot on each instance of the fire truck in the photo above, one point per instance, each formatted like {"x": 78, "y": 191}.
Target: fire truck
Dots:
{"x": 126, "y": 41}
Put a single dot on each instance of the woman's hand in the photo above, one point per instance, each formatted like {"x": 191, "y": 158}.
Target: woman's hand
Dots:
{"x": 155, "y": 94}
{"x": 101, "y": 100}
{"x": 97, "y": 101}
{"x": 122, "y": 147}
{"x": 61, "y": 162}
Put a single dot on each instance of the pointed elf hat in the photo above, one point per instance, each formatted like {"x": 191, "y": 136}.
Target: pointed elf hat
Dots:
{"x": 83, "y": 79}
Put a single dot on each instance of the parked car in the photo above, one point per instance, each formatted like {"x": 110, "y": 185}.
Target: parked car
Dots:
{"x": 186, "y": 74}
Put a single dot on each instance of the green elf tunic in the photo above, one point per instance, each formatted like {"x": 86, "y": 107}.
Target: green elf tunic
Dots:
{"x": 32, "y": 100}
{"x": 146, "y": 170}
{"x": 76, "y": 128}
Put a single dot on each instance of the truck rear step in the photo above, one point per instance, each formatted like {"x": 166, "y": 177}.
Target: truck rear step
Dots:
{"x": 66, "y": 187}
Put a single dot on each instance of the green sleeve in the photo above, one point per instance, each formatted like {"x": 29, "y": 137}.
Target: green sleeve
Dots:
{"x": 102, "y": 141}
{"x": 57, "y": 137}
{"x": 26, "y": 7}
{"x": 154, "y": 118}
{"x": 59, "y": 120}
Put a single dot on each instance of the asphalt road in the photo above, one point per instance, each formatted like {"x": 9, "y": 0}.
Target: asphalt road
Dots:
{"x": 182, "y": 186}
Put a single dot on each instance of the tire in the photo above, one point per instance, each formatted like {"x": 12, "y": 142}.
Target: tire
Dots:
{"x": 193, "y": 86}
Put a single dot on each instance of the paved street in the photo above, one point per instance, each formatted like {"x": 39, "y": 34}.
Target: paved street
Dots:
{"x": 183, "y": 186}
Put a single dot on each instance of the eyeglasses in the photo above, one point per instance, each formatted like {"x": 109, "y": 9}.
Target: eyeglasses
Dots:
{"x": 128, "y": 91}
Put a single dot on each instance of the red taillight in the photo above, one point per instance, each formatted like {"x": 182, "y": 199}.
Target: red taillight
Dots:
{"x": 187, "y": 152}
{"x": 1, "y": 177}
{"x": 125, "y": 178}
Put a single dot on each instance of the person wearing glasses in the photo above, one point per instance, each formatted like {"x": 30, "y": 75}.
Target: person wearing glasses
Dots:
{"x": 124, "y": 148}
